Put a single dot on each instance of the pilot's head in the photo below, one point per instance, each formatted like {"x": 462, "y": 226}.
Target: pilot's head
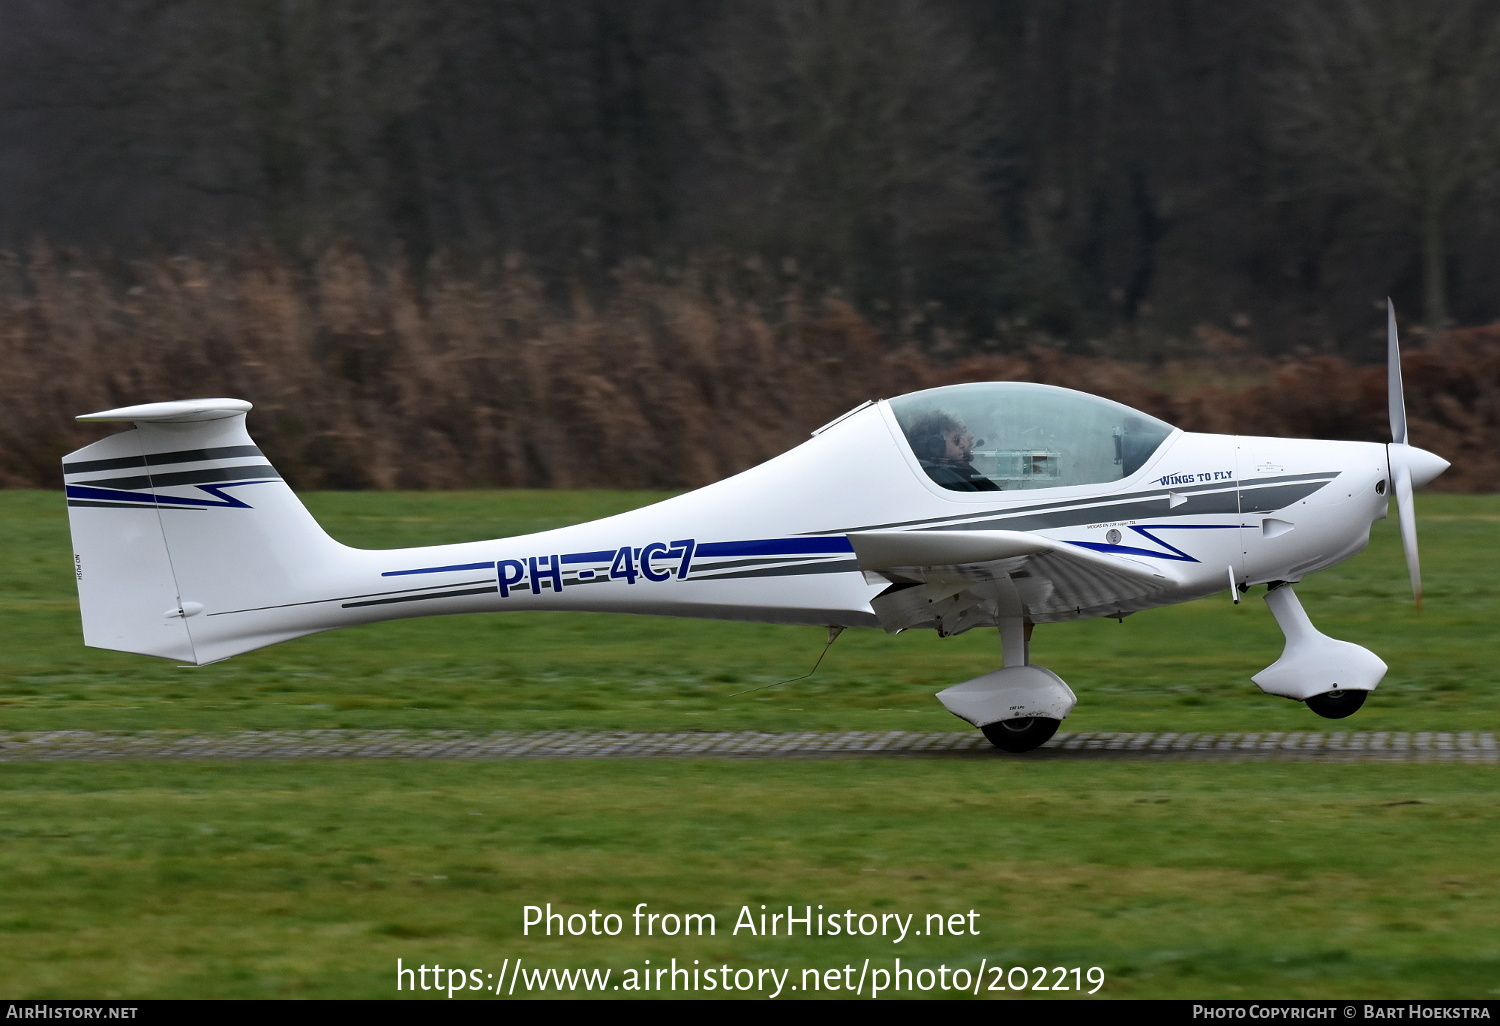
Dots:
{"x": 942, "y": 437}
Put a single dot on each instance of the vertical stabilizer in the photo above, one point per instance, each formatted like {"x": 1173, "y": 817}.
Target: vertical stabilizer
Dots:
{"x": 181, "y": 518}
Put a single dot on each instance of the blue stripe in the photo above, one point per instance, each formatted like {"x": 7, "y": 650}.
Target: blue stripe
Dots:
{"x": 147, "y": 500}
{"x": 440, "y": 569}
{"x": 758, "y": 547}
{"x": 1144, "y": 530}
{"x": 776, "y": 547}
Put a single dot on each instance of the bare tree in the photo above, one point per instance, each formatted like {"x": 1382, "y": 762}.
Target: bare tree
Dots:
{"x": 600, "y": 89}
{"x": 1395, "y": 100}
{"x": 284, "y": 106}
{"x": 852, "y": 134}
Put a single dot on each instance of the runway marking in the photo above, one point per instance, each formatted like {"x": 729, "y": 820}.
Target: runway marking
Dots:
{"x": 1294, "y": 746}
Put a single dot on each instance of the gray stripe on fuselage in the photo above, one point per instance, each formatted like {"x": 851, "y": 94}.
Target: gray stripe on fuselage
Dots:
{"x": 839, "y": 567}
{"x": 732, "y": 564}
{"x": 1268, "y": 500}
{"x": 1218, "y": 497}
{"x": 490, "y": 590}
{"x": 1147, "y": 509}
{"x": 345, "y": 598}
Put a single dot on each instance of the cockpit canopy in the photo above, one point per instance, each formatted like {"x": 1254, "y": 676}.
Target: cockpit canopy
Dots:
{"x": 1005, "y": 435}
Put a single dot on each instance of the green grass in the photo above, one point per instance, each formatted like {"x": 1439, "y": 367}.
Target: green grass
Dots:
{"x": 1186, "y": 667}
{"x": 1179, "y": 880}
{"x": 306, "y": 879}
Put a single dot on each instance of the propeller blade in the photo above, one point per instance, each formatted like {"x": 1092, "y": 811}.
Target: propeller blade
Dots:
{"x": 1410, "y": 467}
{"x": 1407, "y": 516}
{"x": 1395, "y": 394}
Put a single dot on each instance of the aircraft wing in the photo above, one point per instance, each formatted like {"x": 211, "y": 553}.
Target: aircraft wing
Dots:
{"x": 958, "y": 580}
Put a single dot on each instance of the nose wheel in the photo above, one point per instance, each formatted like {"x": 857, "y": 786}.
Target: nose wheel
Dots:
{"x": 1020, "y": 705}
{"x": 1335, "y": 705}
{"x": 1332, "y": 677}
{"x": 1020, "y": 735}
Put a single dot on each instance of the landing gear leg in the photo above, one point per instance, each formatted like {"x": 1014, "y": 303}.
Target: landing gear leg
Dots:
{"x": 1333, "y": 677}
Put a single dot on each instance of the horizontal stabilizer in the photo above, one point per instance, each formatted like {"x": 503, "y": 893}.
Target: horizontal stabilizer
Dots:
{"x": 183, "y": 411}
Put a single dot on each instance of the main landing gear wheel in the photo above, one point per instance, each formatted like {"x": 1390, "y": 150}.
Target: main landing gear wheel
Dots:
{"x": 1335, "y": 705}
{"x": 1021, "y": 735}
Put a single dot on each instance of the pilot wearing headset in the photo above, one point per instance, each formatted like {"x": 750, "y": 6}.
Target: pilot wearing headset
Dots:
{"x": 944, "y": 447}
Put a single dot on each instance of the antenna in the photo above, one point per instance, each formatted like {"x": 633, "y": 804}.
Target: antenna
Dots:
{"x": 833, "y": 633}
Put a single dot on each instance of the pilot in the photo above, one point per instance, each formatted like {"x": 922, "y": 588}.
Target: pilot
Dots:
{"x": 945, "y": 447}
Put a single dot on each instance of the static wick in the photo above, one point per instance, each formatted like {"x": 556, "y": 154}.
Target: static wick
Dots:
{"x": 833, "y": 633}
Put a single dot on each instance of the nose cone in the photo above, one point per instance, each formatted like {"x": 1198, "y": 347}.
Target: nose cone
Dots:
{"x": 1423, "y": 466}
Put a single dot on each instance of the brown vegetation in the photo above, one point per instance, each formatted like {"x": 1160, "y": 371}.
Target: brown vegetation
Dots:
{"x": 363, "y": 378}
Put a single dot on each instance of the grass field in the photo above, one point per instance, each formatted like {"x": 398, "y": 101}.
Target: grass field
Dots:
{"x": 310, "y": 879}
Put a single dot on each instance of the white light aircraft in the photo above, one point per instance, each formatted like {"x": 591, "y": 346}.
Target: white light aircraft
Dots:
{"x": 1000, "y": 504}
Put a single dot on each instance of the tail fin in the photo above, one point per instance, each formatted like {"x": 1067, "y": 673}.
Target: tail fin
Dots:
{"x": 181, "y": 518}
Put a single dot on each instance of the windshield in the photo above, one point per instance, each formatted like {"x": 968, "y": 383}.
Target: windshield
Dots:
{"x": 1004, "y": 435}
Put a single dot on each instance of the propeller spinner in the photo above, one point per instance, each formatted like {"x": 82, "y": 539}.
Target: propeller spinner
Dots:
{"x": 1411, "y": 468}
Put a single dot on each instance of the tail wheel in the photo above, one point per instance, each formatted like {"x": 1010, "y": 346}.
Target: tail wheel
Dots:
{"x": 1335, "y": 705}
{"x": 1021, "y": 735}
